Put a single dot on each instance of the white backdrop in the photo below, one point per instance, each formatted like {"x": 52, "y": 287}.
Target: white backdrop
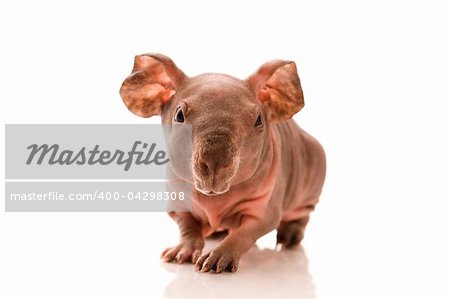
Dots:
{"x": 376, "y": 80}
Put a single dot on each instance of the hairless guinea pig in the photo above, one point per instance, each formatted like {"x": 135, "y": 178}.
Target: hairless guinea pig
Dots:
{"x": 253, "y": 168}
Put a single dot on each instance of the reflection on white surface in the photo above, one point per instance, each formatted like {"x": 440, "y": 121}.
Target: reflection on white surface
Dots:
{"x": 263, "y": 273}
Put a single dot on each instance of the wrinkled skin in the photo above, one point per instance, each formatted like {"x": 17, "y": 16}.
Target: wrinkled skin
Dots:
{"x": 253, "y": 169}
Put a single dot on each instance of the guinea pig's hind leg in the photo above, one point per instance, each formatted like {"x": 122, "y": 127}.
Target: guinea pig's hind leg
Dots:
{"x": 291, "y": 233}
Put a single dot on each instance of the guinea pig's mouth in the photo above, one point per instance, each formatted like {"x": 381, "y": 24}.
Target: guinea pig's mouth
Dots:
{"x": 210, "y": 192}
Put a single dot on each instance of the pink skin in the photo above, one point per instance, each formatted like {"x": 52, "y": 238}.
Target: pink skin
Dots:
{"x": 248, "y": 177}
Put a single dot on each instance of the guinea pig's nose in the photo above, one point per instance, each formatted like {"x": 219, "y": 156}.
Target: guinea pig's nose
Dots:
{"x": 210, "y": 166}
{"x": 214, "y": 154}
{"x": 206, "y": 168}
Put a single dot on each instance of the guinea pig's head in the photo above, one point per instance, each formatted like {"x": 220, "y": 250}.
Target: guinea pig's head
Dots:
{"x": 230, "y": 118}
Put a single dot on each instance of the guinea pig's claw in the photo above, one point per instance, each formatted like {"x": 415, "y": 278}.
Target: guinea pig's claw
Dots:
{"x": 217, "y": 261}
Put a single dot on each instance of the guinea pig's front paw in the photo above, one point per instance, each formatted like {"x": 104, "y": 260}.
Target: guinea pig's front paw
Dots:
{"x": 185, "y": 252}
{"x": 218, "y": 260}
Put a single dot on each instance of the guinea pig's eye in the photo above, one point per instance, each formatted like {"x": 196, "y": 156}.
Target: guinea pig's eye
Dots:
{"x": 258, "y": 122}
{"x": 179, "y": 116}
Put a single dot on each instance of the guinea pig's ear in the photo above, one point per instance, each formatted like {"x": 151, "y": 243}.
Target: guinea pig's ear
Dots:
{"x": 277, "y": 86}
{"x": 153, "y": 81}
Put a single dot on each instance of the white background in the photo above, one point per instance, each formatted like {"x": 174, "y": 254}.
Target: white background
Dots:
{"x": 376, "y": 82}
